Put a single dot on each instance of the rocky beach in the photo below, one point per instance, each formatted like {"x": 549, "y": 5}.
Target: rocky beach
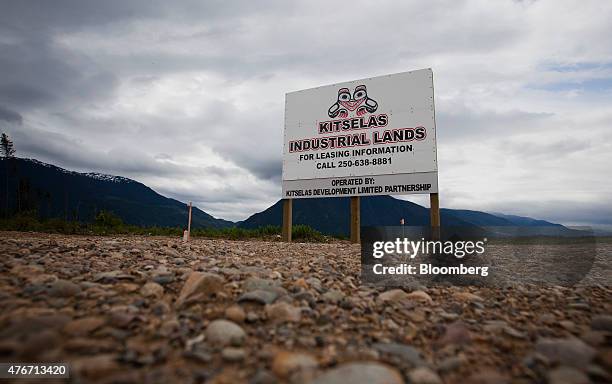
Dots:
{"x": 158, "y": 310}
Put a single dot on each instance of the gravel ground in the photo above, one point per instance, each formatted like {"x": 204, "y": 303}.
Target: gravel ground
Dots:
{"x": 142, "y": 309}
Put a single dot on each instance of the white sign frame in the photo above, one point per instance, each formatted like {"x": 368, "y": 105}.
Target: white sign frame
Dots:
{"x": 379, "y": 136}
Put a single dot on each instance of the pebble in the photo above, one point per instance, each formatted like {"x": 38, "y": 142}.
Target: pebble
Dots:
{"x": 487, "y": 376}
{"x": 251, "y": 317}
{"x": 598, "y": 374}
{"x": 38, "y": 343}
{"x": 570, "y": 351}
{"x": 580, "y": 306}
{"x": 455, "y": 333}
{"x": 567, "y": 375}
{"x": 495, "y": 326}
{"x": 152, "y": 289}
{"x": 235, "y": 313}
{"x": 605, "y": 358}
{"x": 602, "y": 323}
{"x": 467, "y": 296}
{"x": 286, "y": 363}
{"x": 114, "y": 306}
{"x": 451, "y": 363}
{"x": 547, "y": 318}
{"x": 94, "y": 367}
{"x": 63, "y": 288}
{"x": 405, "y": 353}
{"x": 259, "y": 296}
{"x": 263, "y": 376}
{"x": 283, "y": 312}
{"x": 224, "y": 332}
{"x": 508, "y": 330}
{"x": 333, "y": 296}
{"x": 255, "y": 283}
{"x": 424, "y": 375}
{"x": 568, "y": 324}
{"x": 199, "y": 285}
{"x": 111, "y": 277}
{"x": 233, "y": 354}
{"x": 163, "y": 279}
{"x": 88, "y": 346}
{"x": 392, "y": 295}
{"x": 360, "y": 373}
{"x": 315, "y": 283}
{"x": 83, "y": 326}
{"x": 420, "y": 296}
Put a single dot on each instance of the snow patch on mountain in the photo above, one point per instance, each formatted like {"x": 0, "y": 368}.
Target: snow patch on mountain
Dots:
{"x": 93, "y": 175}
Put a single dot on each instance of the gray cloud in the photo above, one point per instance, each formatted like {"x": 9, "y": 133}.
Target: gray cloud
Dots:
{"x": 10, "y": 115}
{"x": 478, "y": 123}
{"x": 563, "y": 211}
{"x": 187, "y": 96}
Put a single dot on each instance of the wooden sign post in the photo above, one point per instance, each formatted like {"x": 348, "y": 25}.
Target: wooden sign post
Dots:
{"x": 434, "y": 215}
{"x": 355, "y": 220}
{"x": 287, "y": 220}
{"x": 187, "y": 233}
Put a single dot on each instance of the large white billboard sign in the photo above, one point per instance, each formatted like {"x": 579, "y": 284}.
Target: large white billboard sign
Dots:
{"x": 374, "y": 136}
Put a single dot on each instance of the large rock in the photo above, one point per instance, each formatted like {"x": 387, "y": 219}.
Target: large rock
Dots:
{"x": 199, "y": 286}
{"x": 360, "y": 373}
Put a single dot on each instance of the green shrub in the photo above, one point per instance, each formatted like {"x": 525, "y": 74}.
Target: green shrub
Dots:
{"x": 306, "y": 233}
{"x": 108, "y": 220}
{"x": 107, "y": 223}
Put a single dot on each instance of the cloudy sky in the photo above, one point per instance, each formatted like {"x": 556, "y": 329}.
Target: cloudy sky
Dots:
{"x": 188, "y": 96}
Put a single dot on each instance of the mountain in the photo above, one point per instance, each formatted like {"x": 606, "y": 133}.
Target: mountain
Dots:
{"x": 332, "y": 216}
{"x": 481, "y": 219}
{"x": 525, "y": 221}
{"x": 56, "y": 192}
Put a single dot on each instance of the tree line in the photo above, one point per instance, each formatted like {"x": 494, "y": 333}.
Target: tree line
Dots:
{"x": 18, "y": 196}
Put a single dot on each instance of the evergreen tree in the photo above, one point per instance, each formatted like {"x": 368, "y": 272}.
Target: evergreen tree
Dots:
{"x": 7, "y": 150}
{"x": 6, "y": 146}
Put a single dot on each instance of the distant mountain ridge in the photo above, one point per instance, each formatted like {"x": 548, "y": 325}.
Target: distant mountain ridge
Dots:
{"x": 524, "y": 221}
{"x": 94, "y": 175}
{"x": 332, "y": 215}
{"x": 57, "y": 192}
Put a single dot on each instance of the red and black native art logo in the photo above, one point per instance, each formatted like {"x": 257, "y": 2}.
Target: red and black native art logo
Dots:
{"x": 358, "y": 103}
